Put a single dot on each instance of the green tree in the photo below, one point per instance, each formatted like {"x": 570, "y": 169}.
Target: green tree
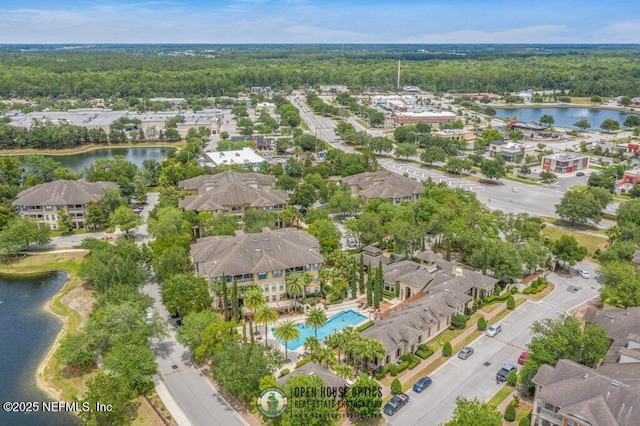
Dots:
{"x": 396, "y": 386}
{"x": 579, "y": 206}
{"x": 241, "y": 366}
{"x": 185, "y": 294}
{"x": 582, "y": 124}
{"x": 482, "y": 324}
{"x": 64, "y": 221}
{"x": 170, "y": 261}
{"x": 112, "y": 390}
{"x": 310, "y": 407}
{"x": 316, "y": 318}
{"x": 567, "y": 249}
{"x": 135, "y": 362}
{"x": 381, "y": 144}
{"x": 125, "y": 218}
{"x": 473, "y": 412}
{"x": 433, "y": 154}
{"x": 406, "y": 150}
{"x": 563, "y": 338}
{"x": 342, "y": 202}
{"x": 511, "y": 303}
{"x": 266, "y": 316}
{"x": 610, "y": 125}
{"x": 510, "y": 411}
{"x": 493, "y": 168}
{"x": 547, "y": 120}
{"x": 193, "y": 327}
{"x": 168, "y": 221}
{"x": 447, "y": 349}
{"x": 621, "y": 284}
{"x": 327, "y": 233}
{"x": 364, "y": 398}
{"x": 256, "y": 219}
{"x": 287, "y": 331}
{"x": 75, "y": 351}
{"x": 21, "y": 232}
{"x": 254, "y": 300}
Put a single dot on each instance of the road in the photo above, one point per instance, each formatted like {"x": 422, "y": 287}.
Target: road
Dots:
{"x": 535, "y": 200}
{"x": 475, "y": 376}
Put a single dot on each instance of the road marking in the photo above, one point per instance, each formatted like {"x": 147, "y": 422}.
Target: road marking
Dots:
{"x": 510, "y": 344}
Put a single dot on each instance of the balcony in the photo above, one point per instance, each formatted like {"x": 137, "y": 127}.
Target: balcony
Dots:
{"x": 550, "y": 414}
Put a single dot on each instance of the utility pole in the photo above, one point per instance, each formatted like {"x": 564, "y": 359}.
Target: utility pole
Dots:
{"x": 398, "y": 73}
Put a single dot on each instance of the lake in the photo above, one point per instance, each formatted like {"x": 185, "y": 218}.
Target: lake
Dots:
{"x": 564, "y": 117}
{"x": 27, "y": 333}
{"x": 77, "y": 162}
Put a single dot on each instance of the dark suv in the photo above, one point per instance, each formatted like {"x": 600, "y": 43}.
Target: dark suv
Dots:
{"x": 396, "y": 403}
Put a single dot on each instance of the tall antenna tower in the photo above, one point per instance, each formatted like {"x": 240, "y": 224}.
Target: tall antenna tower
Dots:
{"x": 398, "y": 73}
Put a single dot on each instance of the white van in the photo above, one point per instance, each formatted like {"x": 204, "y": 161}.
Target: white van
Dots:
{"x": 494, "y": 329}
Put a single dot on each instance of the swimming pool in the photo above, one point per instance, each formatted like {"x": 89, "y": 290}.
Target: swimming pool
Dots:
{"x": 336, "y": 323}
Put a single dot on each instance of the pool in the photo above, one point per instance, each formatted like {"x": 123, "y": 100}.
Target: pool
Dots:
{"x": 336, "y": 323}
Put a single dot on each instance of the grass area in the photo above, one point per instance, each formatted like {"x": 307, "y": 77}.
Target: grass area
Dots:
{"x": 501, "y": 395}
{"x": 590, "y": 241}
{"x": 522, "y": 180}
{"x": 572, "y": 226}
{"x": 522, "y": 410}
{"x": 541, "y": 295}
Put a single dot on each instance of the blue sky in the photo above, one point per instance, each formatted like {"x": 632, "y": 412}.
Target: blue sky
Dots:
{"x": 317, "y": 21}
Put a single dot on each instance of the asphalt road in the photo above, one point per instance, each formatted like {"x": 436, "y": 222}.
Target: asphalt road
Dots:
{"x": 475, "y": 376}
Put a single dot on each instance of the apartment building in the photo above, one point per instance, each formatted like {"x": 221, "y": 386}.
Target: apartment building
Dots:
{"x": 44, "y": 202}
{"x": 264, "y": 259}
{"x": 384, "y": 184}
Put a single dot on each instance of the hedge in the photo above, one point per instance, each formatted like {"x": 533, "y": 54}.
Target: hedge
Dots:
{"x": 382, "y": 372}
{"x": 501, "y": 298}
{"x": 388, "y": 294}
{"x": 424, "y": 352}
{"x": 510, "y": 413}
{"x": 303, "y": 361}
{"x": 364, "y": 326}
{"x": 284, "y": 372}
{"x": 393, "y": 369}
{"x": 414, "y": 363}
{"x": 403, "y": 366}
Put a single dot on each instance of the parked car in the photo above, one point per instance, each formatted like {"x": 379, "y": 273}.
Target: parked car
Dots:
{"x": 465, "y": 353}
{"x": 422, "y": 384}
{"x": 493, "y": 330}
{"x": 351, "y": 242}
{"x": 396, "y": 403}
{"x": 523, "y": 357}
{"x": 583, "y": 273}
{"x": 504, "y": 371}
{"x": 580, "y": 174}
{"x": 515, "y": 189}
{"x": 149, "y": 317}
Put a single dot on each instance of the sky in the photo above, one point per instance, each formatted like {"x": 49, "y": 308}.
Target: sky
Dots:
{"x": 318, "y": 21}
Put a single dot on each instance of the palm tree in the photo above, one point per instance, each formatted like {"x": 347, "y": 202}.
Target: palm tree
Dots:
{"x": 297, "y": 283}
{"x": 316, "y": 318}
{"x": 324, "y": 356}
{"x": 267, "y": 316}
{"x": 337, "y": 341}
{"x": 287, "y": 331}
{"x": 254, "y": 299}
{"x": 371, "y": 349}
{"x": 312, "y": 344}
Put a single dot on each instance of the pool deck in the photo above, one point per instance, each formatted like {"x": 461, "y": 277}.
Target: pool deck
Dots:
{"x": 295, "y": 355}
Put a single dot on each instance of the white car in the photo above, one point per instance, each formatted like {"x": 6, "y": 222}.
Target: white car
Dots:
{"x": 515, "y": 189}
{"x": 493, "y": 330}
{"x": 583, "y": 273}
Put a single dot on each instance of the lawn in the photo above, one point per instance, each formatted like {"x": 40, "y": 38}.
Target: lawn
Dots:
{"x": 500, "y": 396}
{"x": 590, "y": 241}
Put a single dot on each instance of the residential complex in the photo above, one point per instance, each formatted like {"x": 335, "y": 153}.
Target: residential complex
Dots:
{"x": 264, "y": 259}
{"x": 572, "y": 394}
{"x": 384, "y": 184}
{"x": 232, "y": 193}
{"x": 44, "y": 202}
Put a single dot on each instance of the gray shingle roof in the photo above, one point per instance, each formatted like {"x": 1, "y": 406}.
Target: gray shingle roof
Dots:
{"x": 62, "y": 192}
{"x": 585, "y": 393}
{"x": 384, "y": 184}
{"x": 330, "y": 378}
{"x": 270, "y": 250}
{"x": 207, "y": 181}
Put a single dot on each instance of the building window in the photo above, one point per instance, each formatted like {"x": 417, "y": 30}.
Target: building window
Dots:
{"x": 316, "y": 266}
{"x": 46, "y": 217}
{"x": 262, "y": 275}
{"x": 274, "y": 298}
{"x": 266, "y": 287}
{"x": 273, "y": 287}
{"x": 316, "y": 289}
{"x": 281, "y": 286}
{"x": 276, "y": 274}
{"x": 48, "y": 208}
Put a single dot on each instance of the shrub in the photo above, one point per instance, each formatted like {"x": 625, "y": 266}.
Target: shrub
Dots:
{"x": 403, "y": 366}
{"x": 511, "y": 303}
{"x": 482, "y": 324}
{"x": 451, "y": 327}
{"x": 303, "y": 361}
{"x": 284, "y": 372}
{"x": 364, "y": 326}
{"x": 414, "y": 363}
{"x": 529, "y": 290}
{"x": 510, "y": 413}
{"x": 447, "y": 349}
{"x": 424, "y": 351}
{"x": 524, "y": 422}
{"x": 512, "y": 378}
{"x": 381, "y": 373}
{"x": 513, "y": 290}
{"x": 498, "y": 289}
{"x": 396, "y": 386}
{"x": 459, "y": 321}
{"x": 393, "y": 369}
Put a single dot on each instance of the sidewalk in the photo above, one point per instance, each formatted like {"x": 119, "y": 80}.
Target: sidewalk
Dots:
{"x": 408, "y": 377}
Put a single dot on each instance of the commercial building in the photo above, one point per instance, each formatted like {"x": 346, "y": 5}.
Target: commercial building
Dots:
{"x": 246, "y": 157}
{"x": 264, "y": 259}
{"x": 510, "y": 151}
{"x": 384, "y": 184}
{"x": 628, "y": 181}
{"x": 456, "y": 134}
{"x": 44, "y": 202}
{"x": 565, "y": 162}
{"x": 429, "y": 117}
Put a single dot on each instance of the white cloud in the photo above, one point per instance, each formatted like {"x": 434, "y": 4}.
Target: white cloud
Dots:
{"x": 618, "y": 32}
{"x": 533, "y": 34}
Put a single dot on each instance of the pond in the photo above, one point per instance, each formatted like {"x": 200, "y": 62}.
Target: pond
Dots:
{"x": 564, "y": 117}
{"x": 77, "y": 162}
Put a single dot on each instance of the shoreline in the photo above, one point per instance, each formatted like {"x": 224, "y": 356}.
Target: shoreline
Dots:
{"x": 90, "y": 147}
{"x": 623, "y": 110}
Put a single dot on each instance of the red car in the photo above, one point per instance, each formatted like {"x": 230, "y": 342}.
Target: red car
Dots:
{"x": 523, "y": 357}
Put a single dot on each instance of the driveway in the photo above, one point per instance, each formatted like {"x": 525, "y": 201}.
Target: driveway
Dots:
{"x": 475, "y": 376}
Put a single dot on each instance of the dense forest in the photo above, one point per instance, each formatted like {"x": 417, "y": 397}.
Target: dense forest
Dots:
{"x": 183, "y": 71}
